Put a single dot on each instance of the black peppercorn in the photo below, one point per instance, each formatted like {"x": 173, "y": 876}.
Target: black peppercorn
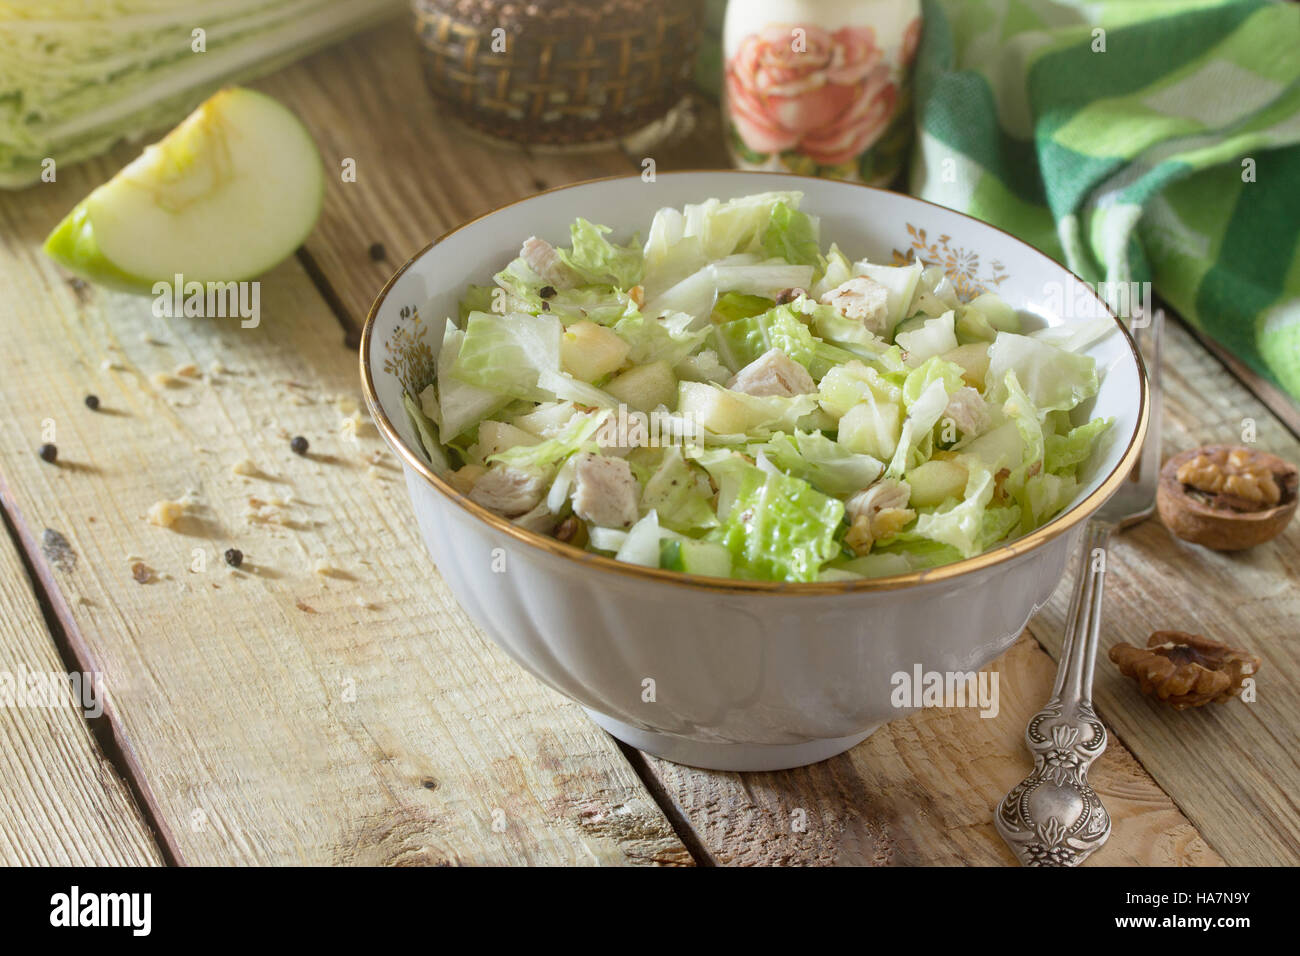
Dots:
{"x": 377, "y": 252}
{"x": 298, "y": 445}
{"x": 48, "y": 452}
{"x": 234, "y": 557}
{"x": 92, "y": 402}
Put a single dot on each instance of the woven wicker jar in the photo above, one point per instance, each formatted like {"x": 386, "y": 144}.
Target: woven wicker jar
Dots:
{"x": 558, "y": 73}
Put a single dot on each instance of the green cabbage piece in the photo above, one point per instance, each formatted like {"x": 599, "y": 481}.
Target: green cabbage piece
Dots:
{"x": 460, "y": 404}
{"x": 922, "y": 415}
{"x": 680, "y": 494}
{"x": 737, "y": 225}
{"x": 598, "y": 261}
{"x": 738, "y": 305}
{"x": 428, "y": 434}
{"x": 931, "y": 370}
{"x": 1021, "y": 411}
{"x": 792, "y": 235}
{"x": 669, "y": 339}
{"x": 601, "y": 304}
{"x": 821, "y": 461}
{"x": 507, "y": 353}
{"x": 519, "y": 289}
{"x": 578, "y": 435}
{"x": 934, "y": 337}
{"x": 1053, "y": 378}
{"x": 740, "y": 341}
{"x": 852, "y": 383}
{"x": 900, "y": 281}
{"x": 777, "y": 528}
{"x": 698, "y": 294}
{"x": 828, "y": 324}
{"x": 836, "y": 269}
{"x": 1064, "y": 453}
{"x": 1044, "y": 496}
{"x": 902, "y": 555}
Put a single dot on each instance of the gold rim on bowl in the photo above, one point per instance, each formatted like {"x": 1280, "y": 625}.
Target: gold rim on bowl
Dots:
{"x": 1002, "y": 553}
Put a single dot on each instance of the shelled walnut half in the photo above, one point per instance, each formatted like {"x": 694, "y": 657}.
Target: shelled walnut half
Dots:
{"x": 1227, "y": 498}
{"x": 1185, "y": 670}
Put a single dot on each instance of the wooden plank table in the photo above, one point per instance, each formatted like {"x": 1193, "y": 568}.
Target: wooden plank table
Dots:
{"x": 330, "y": 703}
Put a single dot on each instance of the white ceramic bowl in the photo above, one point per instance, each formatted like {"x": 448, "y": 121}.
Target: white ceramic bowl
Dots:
{"x": 734, "y": 675}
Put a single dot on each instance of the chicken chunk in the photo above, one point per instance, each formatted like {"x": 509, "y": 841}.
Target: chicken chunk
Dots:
{"x": 546, "y": 262}
{"x": 886, "y": 493}
{"x": 864, "y": 299}
{"x": 968, "y": 412}
{"x": 508, "y": 491}
{"x": 877, "y": 512}
{"x": 540, "y": 519}
{"x": 773, "y": 373}
{"x": 605, "y": 492}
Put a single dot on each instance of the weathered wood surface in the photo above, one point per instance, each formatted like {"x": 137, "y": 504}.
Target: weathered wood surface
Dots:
{"x": 921, "y": 791}
{"x": 1232, "y": 768}
{"x": 62, "y": 802}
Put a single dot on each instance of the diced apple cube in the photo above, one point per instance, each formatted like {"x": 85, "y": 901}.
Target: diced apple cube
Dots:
{"x": 935, "y": 481}
{"x": 974, "y": 361}
{"x": 645, "y": 387}
{"x": 590, "y": 352}
{"x": 872, "y": 428}
{"x": 546, "y": 419}
{"x": 495, "y": 437}
{"x": 717, "y": 409}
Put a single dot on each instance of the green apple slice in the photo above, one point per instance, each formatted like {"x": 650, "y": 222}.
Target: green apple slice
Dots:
{"x": 225, "y": 196}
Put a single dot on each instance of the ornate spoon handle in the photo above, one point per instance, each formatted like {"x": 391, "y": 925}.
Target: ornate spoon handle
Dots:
{"x": 1053, "y": 817}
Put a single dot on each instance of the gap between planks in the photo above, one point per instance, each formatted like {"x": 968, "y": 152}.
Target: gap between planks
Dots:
{"x": 68, "y": 758}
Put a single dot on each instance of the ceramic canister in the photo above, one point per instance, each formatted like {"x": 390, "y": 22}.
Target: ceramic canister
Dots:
{"x": 820, "y": 87}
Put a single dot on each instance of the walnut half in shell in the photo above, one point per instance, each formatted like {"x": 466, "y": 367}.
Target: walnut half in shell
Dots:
{"x": 1185, "y": 670}
{"x": 1227, "y": 498}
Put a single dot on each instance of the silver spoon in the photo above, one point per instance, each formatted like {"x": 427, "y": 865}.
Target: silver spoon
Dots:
{"x": 1053, "y": 817}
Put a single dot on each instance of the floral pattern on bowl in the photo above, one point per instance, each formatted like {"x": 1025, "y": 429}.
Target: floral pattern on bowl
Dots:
{"x": 959, "y": 263}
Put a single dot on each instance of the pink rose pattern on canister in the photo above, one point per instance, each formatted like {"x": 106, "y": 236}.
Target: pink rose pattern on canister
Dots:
{"x": 824, "y": 96}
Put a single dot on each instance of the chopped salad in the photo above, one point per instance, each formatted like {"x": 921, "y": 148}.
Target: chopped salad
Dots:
{"x": 727, "y": 399}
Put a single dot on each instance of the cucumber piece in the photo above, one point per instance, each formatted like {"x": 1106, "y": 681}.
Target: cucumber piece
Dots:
{"x": 705, "y": 558}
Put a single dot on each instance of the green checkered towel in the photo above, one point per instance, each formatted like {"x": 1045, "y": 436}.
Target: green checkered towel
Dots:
{"x": 1134, "y": 140}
